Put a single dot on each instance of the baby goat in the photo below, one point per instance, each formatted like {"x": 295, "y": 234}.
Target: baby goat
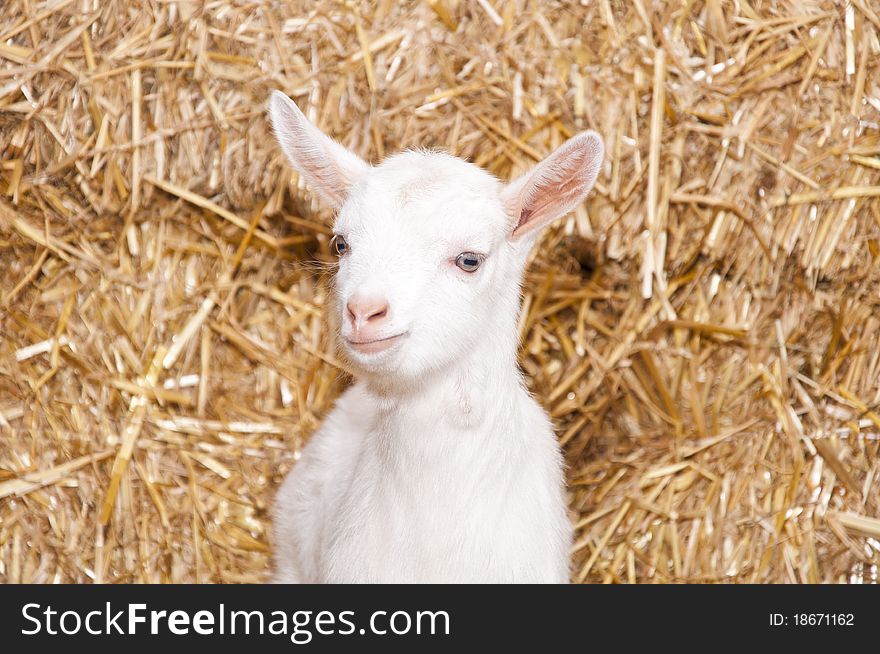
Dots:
{"x": 436, "y": 465}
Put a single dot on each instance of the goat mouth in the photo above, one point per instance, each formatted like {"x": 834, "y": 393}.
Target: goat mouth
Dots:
{"x": 375, "y": 345}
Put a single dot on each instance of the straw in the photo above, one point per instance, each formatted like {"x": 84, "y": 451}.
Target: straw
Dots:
{"x": 703, "y": 330}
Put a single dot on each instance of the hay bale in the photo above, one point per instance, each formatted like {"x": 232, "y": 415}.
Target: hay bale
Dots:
{"x": 704, "y": 331}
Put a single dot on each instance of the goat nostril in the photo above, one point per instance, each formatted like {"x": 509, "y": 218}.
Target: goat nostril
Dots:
{"x": 365, "y": 311}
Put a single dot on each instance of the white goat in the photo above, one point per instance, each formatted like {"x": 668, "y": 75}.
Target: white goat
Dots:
{"x": 436, "y": 465}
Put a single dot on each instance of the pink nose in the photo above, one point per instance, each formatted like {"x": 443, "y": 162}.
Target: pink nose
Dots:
{"x": 363, "y": 310}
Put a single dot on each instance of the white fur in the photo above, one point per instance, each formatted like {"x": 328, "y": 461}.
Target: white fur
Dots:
{"x": 436, "y": 465}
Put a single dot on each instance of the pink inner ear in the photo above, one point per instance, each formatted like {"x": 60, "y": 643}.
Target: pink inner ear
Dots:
{"x": 557, "y": 184}
{"x": 550, "y": 200}
{"x": 523, "y": 218}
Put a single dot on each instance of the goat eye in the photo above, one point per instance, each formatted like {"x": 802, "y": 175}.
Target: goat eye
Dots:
{"x": 469, "y": 261}
{"x": 339, "y": 244}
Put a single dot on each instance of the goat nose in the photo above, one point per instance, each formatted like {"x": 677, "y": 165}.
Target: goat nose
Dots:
{"x": 367, "y": 309}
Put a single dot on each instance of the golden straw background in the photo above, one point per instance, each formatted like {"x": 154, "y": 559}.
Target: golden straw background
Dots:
{"x": 703, "y": 330}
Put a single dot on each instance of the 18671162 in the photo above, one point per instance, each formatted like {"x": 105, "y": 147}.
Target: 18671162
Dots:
{"x": 812, "y": 620}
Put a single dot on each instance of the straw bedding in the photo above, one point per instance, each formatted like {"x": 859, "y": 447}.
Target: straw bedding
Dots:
{"x": 703, "y": 331}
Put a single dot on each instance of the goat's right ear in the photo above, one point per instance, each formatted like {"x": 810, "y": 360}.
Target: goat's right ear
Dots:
{"x": 555, "y": 186}
{"x": 329, "y": 168}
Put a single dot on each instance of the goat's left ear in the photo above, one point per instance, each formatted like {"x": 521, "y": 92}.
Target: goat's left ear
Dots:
{"x": 555, "y": 186}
